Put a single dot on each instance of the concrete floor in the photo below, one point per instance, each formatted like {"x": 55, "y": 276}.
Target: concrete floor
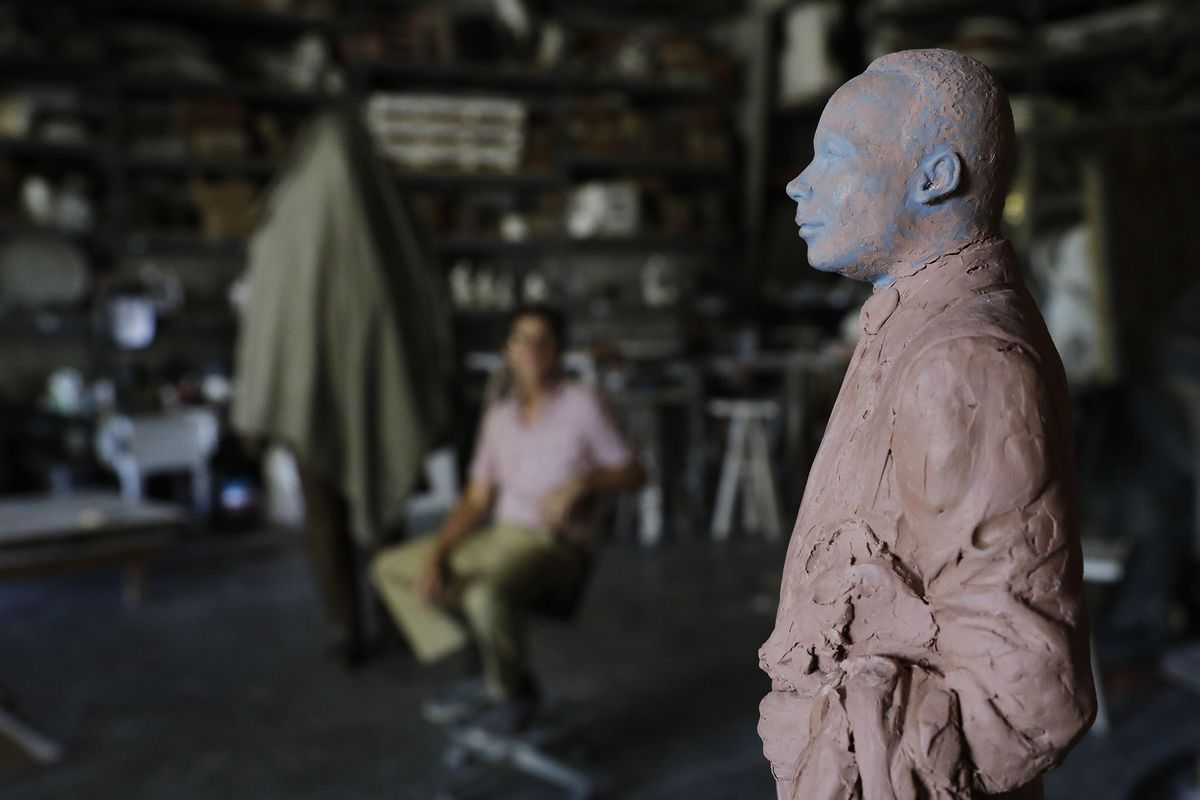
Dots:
{"x": 216, "y": 688}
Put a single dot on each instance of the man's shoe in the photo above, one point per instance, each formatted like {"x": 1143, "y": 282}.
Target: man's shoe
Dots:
{"x": 466, "y": 700}
{"x": 507, "y": 717}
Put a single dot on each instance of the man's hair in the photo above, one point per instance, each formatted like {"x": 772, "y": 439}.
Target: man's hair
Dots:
{"x": 552, "y": 317}
{"x": 971, "y": 111}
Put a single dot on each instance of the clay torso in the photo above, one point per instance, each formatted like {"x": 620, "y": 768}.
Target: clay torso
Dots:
{"x": 941, "y": 496}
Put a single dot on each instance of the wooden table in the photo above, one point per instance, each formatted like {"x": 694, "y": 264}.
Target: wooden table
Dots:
{"x": 50, "y": 533}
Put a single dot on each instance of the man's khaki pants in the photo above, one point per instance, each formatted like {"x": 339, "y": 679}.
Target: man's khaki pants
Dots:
{"x": 496, "y": 575}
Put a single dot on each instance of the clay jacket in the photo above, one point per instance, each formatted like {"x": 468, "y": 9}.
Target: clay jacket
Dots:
{"x": 930, "y": 639}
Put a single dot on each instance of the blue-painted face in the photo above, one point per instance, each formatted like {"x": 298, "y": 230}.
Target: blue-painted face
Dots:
{"x": 868, "y": 198}
{"x": 850, "y": 199}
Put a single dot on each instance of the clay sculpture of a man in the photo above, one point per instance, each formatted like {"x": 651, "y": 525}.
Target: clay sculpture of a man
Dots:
{"x": 930, "y": 639}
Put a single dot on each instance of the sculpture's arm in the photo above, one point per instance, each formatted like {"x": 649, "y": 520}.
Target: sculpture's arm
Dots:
{"x": 977, "y": 448}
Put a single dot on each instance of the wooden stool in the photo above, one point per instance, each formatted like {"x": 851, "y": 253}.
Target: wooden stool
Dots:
{"x": 747, "y": 466}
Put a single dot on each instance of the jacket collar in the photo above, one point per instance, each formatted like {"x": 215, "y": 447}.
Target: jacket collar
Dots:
{"x": 941, "y": 283}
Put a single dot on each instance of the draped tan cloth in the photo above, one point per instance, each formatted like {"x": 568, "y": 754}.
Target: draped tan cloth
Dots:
{"x": 344, "y": 350}
{"x": 930, "y": 639}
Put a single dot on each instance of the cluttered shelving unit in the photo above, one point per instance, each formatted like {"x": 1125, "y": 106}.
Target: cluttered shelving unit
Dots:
{"x": 140, "y": 134}
{"x": 583, "y": 178}
{"x": 136, "y": 136}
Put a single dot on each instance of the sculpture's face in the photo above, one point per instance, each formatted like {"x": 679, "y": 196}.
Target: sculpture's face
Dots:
{"x": 851, "y": 200}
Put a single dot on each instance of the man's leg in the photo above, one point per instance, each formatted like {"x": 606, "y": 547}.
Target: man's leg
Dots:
{"x": 431, "y": 631}
{"x": 499, "y": 629}
{"x": 510, "y": 571}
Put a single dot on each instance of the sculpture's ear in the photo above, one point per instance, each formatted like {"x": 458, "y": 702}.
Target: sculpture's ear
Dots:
{"x": 938, "y": 175}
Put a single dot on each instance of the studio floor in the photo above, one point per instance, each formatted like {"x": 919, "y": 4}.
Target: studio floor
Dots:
{"x": 216, "y": 688}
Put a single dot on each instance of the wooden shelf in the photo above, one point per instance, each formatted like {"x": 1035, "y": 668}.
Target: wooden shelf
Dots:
{"x": 260, "y": 168}
{"x": 592, "y": 164}
{"x": 16, "y": 68}
{"x": 1078, "y": 65}
{"x": 1092, "y": 126}
{"x": 478, "y": 180}
{"x": 496, "y": 248}
{"x": 247, "y": 92}
{"x": 924, "y": 11}
{"x": 119, "y": 95}
{"x": 413, "y": 77}
{"x": 36, "y": 148}
{"x": 560, "y": 245}
{"x": 223, "y": 15}
{"x": 651, "y": 88}
{"x": 525, "y": 80}
{"x": 10, "y": 228}
{"x": 184, "y": 244}
{"x": 26, "y": 324}
{"x": 481, "y": 316}
{"x": 574, "y": 166}
{"x": 207, "y": 325}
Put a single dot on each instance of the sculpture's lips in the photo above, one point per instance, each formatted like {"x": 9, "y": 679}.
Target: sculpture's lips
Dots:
{"x": 807, "y": 225}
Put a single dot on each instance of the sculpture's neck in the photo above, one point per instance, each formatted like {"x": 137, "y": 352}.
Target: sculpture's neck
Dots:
{"x": 922, "y": 255}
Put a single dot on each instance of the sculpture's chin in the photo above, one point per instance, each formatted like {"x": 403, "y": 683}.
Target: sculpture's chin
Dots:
{"x": 824, "y": 263}
{"x": 821, "y": 266}
{"x": 851, "y": 270}
{"x": 822, "y": 259}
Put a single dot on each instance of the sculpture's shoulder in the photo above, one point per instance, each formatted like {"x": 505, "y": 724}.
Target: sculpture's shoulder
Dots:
{"x": 989, "y": 353}
{"x": 1000, "y": 328}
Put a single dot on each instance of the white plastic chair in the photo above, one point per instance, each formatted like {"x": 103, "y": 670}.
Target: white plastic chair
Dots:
{"x": 179, "y": 441}
{"x": 441, "y": 475}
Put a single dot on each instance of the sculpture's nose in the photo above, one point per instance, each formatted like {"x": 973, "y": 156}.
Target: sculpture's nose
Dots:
{"x": 798, "y": 189}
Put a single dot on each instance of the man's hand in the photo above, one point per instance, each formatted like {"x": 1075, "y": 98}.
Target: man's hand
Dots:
{"x": 432, "y": 583}
{"x": 558, "y": 504}
{"x": 469, "y": 511}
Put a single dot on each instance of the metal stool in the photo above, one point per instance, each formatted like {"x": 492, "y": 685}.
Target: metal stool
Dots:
{"x": 474, "y": 755}
{"x": 548, "y": 750}
{"x": 747, "y": 467}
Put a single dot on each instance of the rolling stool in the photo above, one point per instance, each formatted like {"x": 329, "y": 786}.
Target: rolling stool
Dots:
{"x": 36, "y": 745}
{"x": 747, "y": 467}
{"x": 547, "y": 750}
{"x": 474, "y": 755}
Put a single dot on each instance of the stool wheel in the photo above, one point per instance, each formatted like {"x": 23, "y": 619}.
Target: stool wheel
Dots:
{"x": 455, "y": 757}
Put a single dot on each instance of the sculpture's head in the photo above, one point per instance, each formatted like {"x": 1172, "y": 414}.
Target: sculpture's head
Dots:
{"x": 911, "y": 158}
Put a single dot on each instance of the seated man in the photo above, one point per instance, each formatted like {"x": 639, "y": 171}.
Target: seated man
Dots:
{"x": 545, "y": 448}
